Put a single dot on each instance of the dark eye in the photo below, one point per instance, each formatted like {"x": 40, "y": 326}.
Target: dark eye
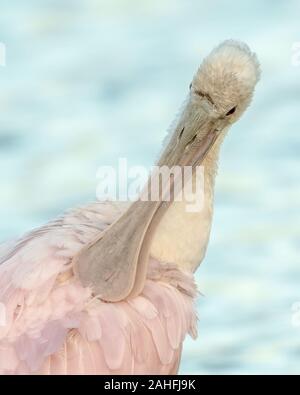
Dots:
{"x": 230, "y": 112}
{"x": 190, "y": 87}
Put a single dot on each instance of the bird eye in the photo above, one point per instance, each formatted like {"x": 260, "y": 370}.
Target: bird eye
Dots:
{"x": 230, "y": 112}
{"x": 190, "y": 87}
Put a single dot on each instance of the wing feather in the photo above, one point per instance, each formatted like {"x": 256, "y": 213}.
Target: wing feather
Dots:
{"x": 51, "y": 324}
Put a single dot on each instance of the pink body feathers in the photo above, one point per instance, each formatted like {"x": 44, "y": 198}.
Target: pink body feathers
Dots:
{"x": 51, "y": 324}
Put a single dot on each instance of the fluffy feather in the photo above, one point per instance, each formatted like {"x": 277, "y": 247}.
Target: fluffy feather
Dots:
{"x": 55, "y": 326}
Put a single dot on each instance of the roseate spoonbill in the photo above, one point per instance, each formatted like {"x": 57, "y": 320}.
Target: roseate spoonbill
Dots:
{"x": 109, "y": 288}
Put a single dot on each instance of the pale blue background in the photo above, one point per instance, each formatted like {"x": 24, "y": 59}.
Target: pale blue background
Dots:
{"x": 89, "y": 81}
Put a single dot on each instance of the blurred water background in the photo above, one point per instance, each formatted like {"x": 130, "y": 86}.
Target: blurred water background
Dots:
{"x": 89, "y": 81}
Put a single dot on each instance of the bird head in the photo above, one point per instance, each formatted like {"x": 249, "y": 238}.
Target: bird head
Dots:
{"x": 227, "y": 78}
{"x": 219, "y": 93}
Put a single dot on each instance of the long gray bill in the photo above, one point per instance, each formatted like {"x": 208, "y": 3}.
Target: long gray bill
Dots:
{"x": 115, "y": 264}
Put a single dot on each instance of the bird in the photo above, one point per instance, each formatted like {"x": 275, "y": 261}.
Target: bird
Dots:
{"x": 109, "y": 288}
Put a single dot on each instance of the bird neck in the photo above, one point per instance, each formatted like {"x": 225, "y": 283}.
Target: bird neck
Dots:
{"x": 182, "y": 236}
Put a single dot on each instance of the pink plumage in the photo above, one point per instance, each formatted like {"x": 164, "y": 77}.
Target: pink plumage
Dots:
{"x": 51, "y": 324}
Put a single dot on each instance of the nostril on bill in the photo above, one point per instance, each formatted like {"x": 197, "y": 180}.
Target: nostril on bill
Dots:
{"x": 180, "y": 134}
{"x": 190, "y": 142}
